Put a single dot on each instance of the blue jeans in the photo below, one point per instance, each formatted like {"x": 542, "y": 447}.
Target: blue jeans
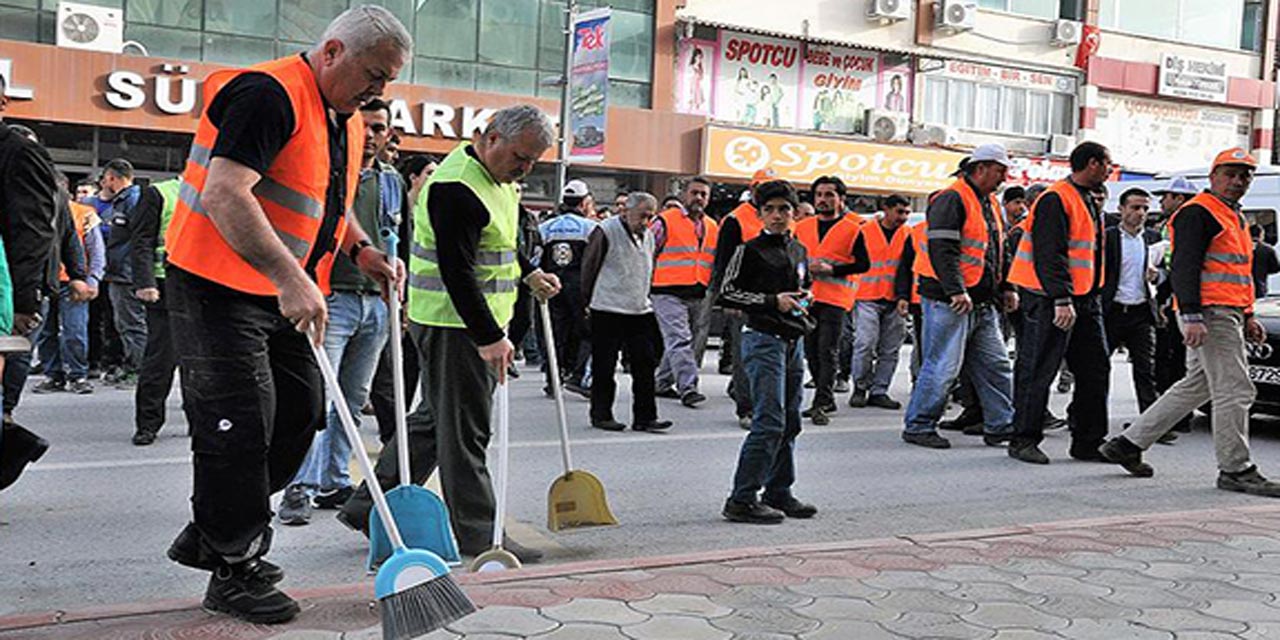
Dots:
{"x": 63, "y": 342}
{"x": 353, "y": 341}
{"x": 949, "y": 341}
{"x": 775, "y": 372}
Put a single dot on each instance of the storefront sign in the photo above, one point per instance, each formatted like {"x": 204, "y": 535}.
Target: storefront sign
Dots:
{"x": 11, "y": 90}
{"x": 839, "y": 86}
{"x": 1155, "y": 135}
{"x": 1008, "y": 76}
{"x": 1194, "y": 78}
{"x": 738, "y": 153}
{"x": 1028, "y": 171}
{"x": 589, "y": 86}
{"x": 757, "y": 80}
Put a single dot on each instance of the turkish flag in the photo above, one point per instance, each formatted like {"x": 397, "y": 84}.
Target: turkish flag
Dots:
{"x": 1090, "y": 38}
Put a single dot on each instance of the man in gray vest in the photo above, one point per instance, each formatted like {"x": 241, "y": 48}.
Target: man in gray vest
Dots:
{"x": 617, "y": 271}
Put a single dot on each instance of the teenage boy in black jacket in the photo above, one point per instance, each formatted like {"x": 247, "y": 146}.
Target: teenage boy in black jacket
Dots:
{"x": 768, "y": 278}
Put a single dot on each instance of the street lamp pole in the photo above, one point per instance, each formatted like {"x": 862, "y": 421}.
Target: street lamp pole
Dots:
{"x": 562, "y": 163}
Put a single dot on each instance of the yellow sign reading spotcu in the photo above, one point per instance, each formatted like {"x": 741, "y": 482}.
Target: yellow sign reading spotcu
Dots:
{"x": 738, "y": 153}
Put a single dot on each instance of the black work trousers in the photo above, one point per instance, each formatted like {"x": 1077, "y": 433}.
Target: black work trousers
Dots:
{"x": 822, "y": 348}
{"x": 640, "y": 337}
{"x": 382, "y": 393}
{"x": 159, "y": 362}
{"x": 449, "y": 429}
{"x": 1041, "y": 348}
{"x": 572, "y": 333}
{"x": 1133, "y": 327}
{"x": 254, "y": 398}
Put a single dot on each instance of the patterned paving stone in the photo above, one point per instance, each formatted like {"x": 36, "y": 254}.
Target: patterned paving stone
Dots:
{"x": 308, "y": 634}
{"x": 767, "y": 620}
{"x": 1059, "y": 585}
{"x": 764, "y": 636}
{"x": 1042, "y": 566}
{"x": 1206, "y": 635}
{"x": 1126, "y": 537}
{"x": 1242, "y": 610}
{"x": 825, "y": 609}
{"x": 965, "y": 573}
{"x": 375, "y": 633}
{"x": 681, "y": 604}
{"x": 1139, "y": 597}
{"x": 592, "y": 610}
{"x": 978, "y": 592}
{"x": 1087, "y": 629}
{"x": 767, "y": 561}
{"x": 604, "y": 589}
{"x": 1074, "y": 606}
{"x": 1207, "y": 590}
{"x": 1094, "y": 560}
{"x": 1179, "y": 620}
{"x": 893, "y": 561}
{"x": 1179, "y": 571}
{"x": 1157, "y": 554}
{"x": 1112, "y": 578}
{"x": 1026, "y": 634}
{"x": 672, "y": 582}
{"x": 837, "y": 587}
{"x": 760, "y": 596}
{"x": 758, "y": 575}
{"x": 849, "y": 630}
{"x": 670, "y": 627}
{"x": 890, "y": 580}
{"x": 1256, "y": 544}
{"x": 830, "y": 567}
{"x": 919, "y": 624}
{"x": 509, "y": 620}
{"x": 1262, "y": 631}
{"x": 921, "y": 600}
{"x": 581, "y": 631}
{"x": 1264, "y": 582}
{"x": 1217, "y": 550}
{"x": 1005, "y": 615}
{"x": 518, "y": 597}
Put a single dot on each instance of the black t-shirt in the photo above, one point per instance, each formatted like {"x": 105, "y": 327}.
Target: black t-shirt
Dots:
{"x": 254, "y": 119}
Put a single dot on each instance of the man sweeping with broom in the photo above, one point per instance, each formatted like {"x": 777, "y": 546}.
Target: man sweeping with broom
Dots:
{"x": 262, "y": 210}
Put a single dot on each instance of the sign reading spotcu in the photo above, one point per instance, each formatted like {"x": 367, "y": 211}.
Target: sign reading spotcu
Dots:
{"x": 738, "y": 153}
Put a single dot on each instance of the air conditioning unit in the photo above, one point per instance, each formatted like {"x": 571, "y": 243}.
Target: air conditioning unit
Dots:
{"x": 934, "y": 135}
{"x": 1066, "y": 33}
{"x": 888, "y": 10}
{"x": 1060, "y": 146}
{"x": 956, "y": 15}
{"x": 887, "y": 126}
{"x": 85, "y": 26}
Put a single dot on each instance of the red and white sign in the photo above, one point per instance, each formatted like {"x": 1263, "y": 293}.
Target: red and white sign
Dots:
{"x": 1009, "y": 76}
{"x": 757, "y": 80}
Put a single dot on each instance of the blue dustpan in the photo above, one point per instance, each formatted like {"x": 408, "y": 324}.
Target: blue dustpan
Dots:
{"x": 422, "y": 517}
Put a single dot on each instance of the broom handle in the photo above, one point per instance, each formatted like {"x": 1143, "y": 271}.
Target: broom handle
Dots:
{"x": 397, "y": 366}
{"x": 353, "y": 434}
{"x": 553, "y": 371}
{"x": 500, "y": 499}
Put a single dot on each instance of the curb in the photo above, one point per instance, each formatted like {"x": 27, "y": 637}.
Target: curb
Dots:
{"x": 21, "y": 621}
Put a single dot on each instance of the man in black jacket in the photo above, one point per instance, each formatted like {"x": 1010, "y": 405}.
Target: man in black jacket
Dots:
{"x": 1128, "y": 300}
{"x": 768, "y": 279}
{"x": 129, "y": 203}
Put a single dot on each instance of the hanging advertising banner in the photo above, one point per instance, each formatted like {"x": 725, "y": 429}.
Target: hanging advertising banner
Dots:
{"x": 895, "y": 82}
{"x": 589, "y": 86}
{"x": 863, "y": 166}
{"x": 839, "y": 86}
{"x": 1155, "y": 135}
{"x": 696, "y": 60}
{"x": 757, "y": 80}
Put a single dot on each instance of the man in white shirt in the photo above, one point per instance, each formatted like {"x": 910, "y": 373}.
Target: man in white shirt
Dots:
{"x": 1127, "y": 297}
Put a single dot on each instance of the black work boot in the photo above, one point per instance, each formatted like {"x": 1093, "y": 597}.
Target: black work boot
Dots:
{"x": 20, "y": 448}
{"x": 241, "y": 591}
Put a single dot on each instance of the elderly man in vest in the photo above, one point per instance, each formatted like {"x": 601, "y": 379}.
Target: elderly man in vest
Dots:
{"x": 960, "y": 290}
{"x": 1213, "y": 291}
{"x": 262, "y": 210}
{"x": 881, "y": 329}
{"x": 686, "y": 244}
{"x": 463, "y": 273}
{"x": 1058, "y": 267}
{"x": 831, "y": 239}
{"x": 617, "y": 272}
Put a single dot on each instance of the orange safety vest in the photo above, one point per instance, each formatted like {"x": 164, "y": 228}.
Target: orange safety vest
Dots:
{"x": 79, "y": 214}
{"x": 292, "y": 192}
{"x": 748, "y": 218}
{"x": 1082, "y": 243}
{"x": 921, "y": 245}
{"x": 684, "y": 261}
{"x": 877, "y": 282}
{"x": 973, "y": 236}
{"x": 1227, "y": 276}
{"x": 834, "y": 248}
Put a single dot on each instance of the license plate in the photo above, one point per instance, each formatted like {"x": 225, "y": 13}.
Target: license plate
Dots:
{"x": 1266, "y": 375}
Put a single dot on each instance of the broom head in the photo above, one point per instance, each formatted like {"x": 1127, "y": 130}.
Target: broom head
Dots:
{"x": 417, "y": 595}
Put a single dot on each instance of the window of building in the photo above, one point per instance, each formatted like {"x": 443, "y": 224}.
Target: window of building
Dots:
{"x": 444, "y": 73}
{"x": 1251, "y": 28}
{"x": 240, "y": 18}
{"x": 508, "y": 32}
{"x": 447, "y": 29}
{"x": 1214, "y": 23}
{"x": 165, "y": 42}
{"x": 305, "y": 20}
{"x": 19, "y": 24}
{"x": 168, "y": 13}
{"x": 1048, "y": 9}
{"x": 994, "y": 108}
{"x": 234, "y": 50}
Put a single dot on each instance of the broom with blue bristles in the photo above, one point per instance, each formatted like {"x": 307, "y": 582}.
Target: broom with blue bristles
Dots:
{"x": 415, "y": 592}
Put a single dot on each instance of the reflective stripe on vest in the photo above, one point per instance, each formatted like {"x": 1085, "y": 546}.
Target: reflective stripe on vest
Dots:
{"x": 292, "y": 192}
{"x": 497, "y": 268}
{"x": 877, "y": 282}
{"x": 973, "y": 236}
{"x": 683, "y": 261}
{"x": 835, "y": 248}
{"x": 1226, "y": 279}
{"x": 1082, "y": 243}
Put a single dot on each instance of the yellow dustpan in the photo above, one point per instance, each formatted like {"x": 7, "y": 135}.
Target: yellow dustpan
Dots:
{"x": 576, "y": 499}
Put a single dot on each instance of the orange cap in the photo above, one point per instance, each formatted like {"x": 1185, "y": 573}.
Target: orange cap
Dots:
{"x": 1234, "y": 156}
{"x": 763, "y": 175}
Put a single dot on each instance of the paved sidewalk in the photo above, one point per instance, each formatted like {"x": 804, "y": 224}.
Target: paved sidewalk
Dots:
{"x": 1200, "y": 575}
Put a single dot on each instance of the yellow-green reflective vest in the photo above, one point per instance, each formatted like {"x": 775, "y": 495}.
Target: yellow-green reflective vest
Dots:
{"x": 169, "y": 193}
{"x": 497, "y": 270}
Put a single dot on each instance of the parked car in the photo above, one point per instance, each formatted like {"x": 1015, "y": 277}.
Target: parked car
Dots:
{"x": 1264, "y": 359}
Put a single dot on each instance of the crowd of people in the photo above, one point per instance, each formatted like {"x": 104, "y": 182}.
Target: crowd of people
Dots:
{"x": 279, "y": 229}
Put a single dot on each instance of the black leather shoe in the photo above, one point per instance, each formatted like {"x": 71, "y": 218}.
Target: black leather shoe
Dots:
{"x": 883, "y": 401}
{"x": 996, "y": 439}
{"x": 1087, "y": 455}
{"x": 692, "y": 399}
{"x": 1126, "y": 454}
{"x": 608, "y": 425}
{"x": 793, "y": 508}
{"x": 20, "y": 448}
{"x": 967, "y": 418}
{"x": 829, "y": 409}
{"x": 819, "y": 418}
{"x": 143, "y": 438}
{"x": 751, "y": 513}
{"x": 930, "y": 440}
{"x": 243, "y": 593}
{"x": 858, "y": 398}
{"x": 975, "y": 429}
{"x": 1169, "y": 437}
{"x": 1027, "y": 453}
{"x": 187, "y": 551}
{"x": 652, "y": 425}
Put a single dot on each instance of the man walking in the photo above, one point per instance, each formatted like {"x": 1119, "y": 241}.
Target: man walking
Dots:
{"x": 564, "y": 241}
{"x": 462, "y": 292}
{"x": 128, "y": 203}
{"x": 356, "y": 332}
{"x": 831, "y": 239}
{"x": 1058, "y": 268}
{"x": 881, "y": 329}
{"x": 263, "y": 209}
{"x": 160, "y": 360}
{"x": 1213, "y": 287}
{"x": 960, "y": 288}
{"x": 617, "y": 274}
{"x": 63, "y": 343}
{"x": 1128, "y": 296}
{"x": 685, "y": 240}
{"x": 1171, "y": 353}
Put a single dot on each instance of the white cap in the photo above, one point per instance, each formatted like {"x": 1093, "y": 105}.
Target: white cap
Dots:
{"x": 575, "y": 189}
{"x": 991, "y": 153}
{"x": 745, "y": 197}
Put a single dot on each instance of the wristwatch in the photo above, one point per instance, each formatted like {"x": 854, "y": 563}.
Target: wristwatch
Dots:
{"x": 356, "y": 248}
